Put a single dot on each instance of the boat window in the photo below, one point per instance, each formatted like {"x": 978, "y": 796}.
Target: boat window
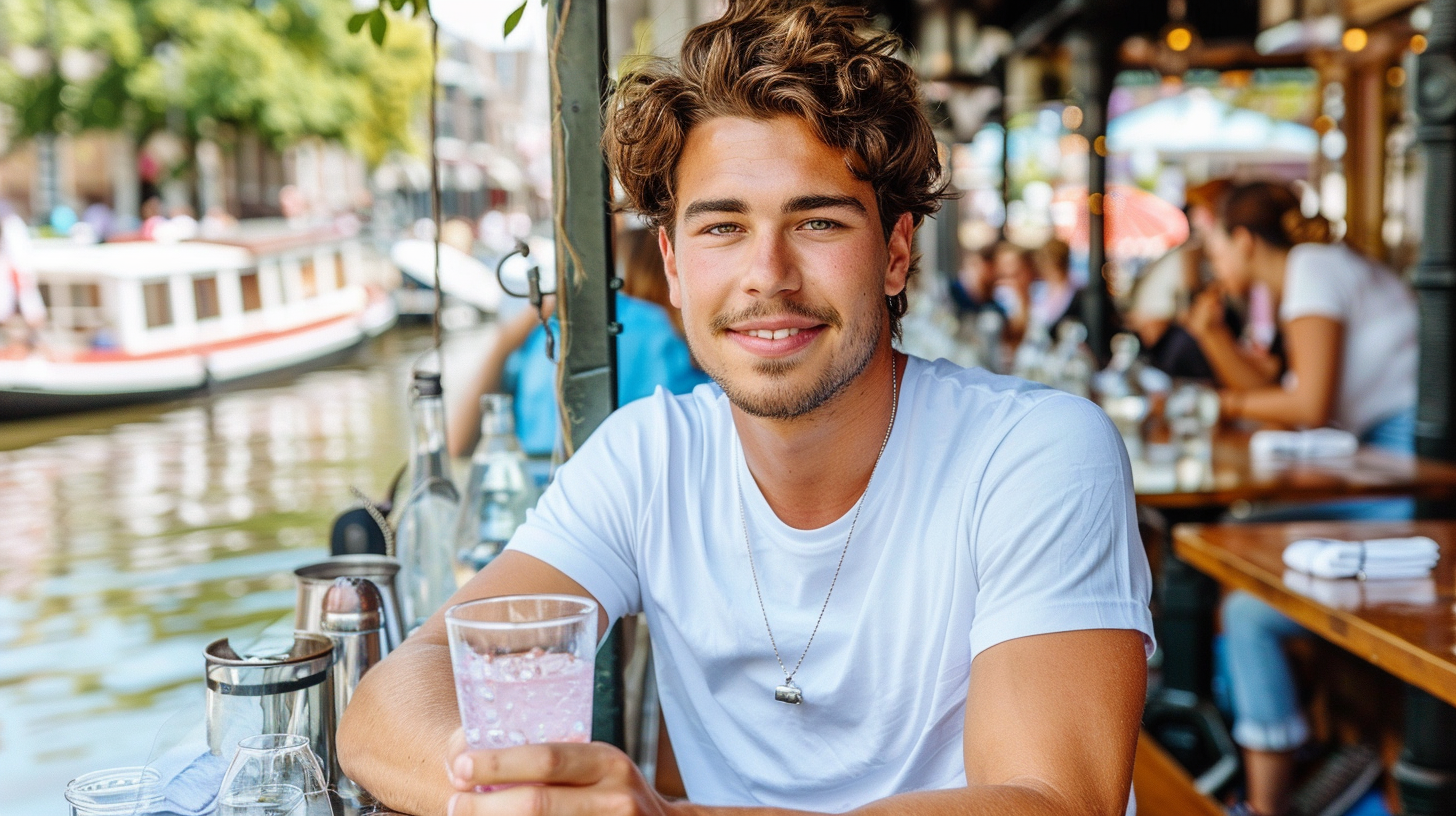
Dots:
{"x": 204, "y": 294}
{"x": 309, "y": 276}
{"x": 341, "y": 279}
{"x": 85, "y": 296}
{"x": 252, "y": 295}
{"x": 159, "y": 304}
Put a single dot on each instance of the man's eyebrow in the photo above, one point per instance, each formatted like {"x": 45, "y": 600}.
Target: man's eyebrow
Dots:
{"x": 817, "y": 202}
{"x": 714, "y": 205}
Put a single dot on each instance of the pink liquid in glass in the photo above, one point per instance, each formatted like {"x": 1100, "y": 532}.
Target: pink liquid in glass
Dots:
{"x": 523, "y": 698}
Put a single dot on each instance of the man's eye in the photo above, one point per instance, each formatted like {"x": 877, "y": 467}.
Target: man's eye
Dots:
{"x": 819, "y": 224}
{"x": 722, "y": 229}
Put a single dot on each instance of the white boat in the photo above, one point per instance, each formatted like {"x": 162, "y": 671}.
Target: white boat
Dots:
{"x": 134, "y": 322}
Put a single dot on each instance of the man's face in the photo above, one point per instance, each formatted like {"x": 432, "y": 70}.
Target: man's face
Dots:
{"x": 779, "y": 264}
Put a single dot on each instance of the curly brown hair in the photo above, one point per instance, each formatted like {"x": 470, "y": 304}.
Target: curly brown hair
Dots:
{"x": 765, "y": 58}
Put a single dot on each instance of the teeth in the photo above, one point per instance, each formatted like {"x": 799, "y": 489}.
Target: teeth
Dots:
{"x": 772, "y": 334}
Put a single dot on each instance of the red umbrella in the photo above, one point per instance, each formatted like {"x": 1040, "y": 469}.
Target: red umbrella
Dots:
{"x": 1138, "y": 223}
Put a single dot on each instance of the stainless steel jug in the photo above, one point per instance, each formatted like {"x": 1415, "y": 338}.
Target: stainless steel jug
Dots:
{"x": 288, "y": 693}
{"x": 315, "y": 580}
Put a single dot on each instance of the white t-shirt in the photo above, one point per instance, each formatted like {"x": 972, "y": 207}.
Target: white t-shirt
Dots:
{"x": 1378, "y": 313}
{"x": 1001, "y": 509}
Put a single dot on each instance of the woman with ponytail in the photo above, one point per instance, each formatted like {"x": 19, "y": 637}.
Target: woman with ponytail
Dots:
{"x": 1349, "y": 327}
{"x": 1349, "y": 324}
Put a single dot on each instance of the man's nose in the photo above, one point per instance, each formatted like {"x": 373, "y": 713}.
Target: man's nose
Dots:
{"x": 772, "y": 268}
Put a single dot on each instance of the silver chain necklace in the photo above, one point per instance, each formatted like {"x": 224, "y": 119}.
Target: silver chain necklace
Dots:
{"x": 788, "y": 692}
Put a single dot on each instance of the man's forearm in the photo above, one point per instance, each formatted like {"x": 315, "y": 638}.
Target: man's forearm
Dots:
{"x": 395, "y": 732}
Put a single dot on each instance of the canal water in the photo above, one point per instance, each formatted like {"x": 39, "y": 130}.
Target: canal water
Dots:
{"x": 132, "y": 538}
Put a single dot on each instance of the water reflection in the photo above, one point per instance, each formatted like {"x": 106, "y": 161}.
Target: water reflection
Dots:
{"x": 126, "y": 547}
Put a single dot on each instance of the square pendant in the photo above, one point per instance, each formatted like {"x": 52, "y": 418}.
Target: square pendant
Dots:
{"x": 789, "y": 693}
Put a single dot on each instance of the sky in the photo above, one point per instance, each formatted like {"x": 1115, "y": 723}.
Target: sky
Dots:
{"x": 481, "y": 22}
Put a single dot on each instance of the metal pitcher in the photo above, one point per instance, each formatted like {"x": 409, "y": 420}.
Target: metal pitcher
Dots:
{"x": 288, "y": 693}
{"x": 315, "y": 580}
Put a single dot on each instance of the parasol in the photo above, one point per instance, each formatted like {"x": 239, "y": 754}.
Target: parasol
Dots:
{"x": 1138, "y": 224}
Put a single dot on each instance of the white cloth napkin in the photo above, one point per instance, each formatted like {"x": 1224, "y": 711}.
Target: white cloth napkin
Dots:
{"x": 1374, "y": 559}
{"x": 1318, "y": 443}
{"x": 191, "y": 777}
{"x": 1353, "y": 596}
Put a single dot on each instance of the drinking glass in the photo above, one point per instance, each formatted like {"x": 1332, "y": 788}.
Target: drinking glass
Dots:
{"x": 274, "y": 775}
{"x": 524, "y": 666}
{"x": 115, "y": 792}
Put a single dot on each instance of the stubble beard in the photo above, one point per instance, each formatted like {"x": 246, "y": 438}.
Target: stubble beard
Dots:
{"x": 779, "y": 400}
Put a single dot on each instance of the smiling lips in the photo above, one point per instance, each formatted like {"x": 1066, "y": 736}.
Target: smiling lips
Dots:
{"x": 775, "y": 342}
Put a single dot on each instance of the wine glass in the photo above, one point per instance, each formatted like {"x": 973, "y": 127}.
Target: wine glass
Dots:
{"x": 273, "y": 775}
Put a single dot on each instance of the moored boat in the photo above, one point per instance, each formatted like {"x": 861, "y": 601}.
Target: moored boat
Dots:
{"x": 135, "y": 322}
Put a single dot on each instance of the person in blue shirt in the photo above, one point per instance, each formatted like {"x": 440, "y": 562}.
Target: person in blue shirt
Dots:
{"x": 650, "y": 352}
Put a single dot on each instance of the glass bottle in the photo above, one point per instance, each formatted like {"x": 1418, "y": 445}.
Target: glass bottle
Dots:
{"x": 422, "y": 533}
{"x": 498, "y": 492}
{"x": 1121, "y": 394}
{"x": 1074, "y": 365}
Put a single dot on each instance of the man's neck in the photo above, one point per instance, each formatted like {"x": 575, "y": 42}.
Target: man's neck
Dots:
{"x": 814, "y": 468}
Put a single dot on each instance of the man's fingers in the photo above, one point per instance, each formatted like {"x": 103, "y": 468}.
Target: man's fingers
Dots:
{"x": 543, "y": 800}
{"x": 552, "y": 763}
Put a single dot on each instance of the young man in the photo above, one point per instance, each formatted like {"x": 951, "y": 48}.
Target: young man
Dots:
{"x": 873, "y": 582}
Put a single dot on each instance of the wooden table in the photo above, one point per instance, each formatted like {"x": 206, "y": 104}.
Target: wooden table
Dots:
{"x": 1235, "y": 476}
{"x": 1407, "y": 628}
{"x": 1186, "y": 598}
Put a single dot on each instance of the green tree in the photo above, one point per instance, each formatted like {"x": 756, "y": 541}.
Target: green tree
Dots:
{"x": 285, "y": 69}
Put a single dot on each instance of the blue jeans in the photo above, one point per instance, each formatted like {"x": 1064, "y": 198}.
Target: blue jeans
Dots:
{"x": 1267, "y": 716}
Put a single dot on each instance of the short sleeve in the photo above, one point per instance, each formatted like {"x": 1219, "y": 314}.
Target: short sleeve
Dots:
{"x": 1319, "y": 281}
{"x": 1055, "y": 539}
{"x": 586, "y": 523}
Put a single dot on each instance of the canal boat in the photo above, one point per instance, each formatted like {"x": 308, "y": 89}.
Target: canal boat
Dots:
{"x": 142, "y": 321}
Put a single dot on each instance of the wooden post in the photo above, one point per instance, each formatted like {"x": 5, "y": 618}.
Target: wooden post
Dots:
{"x": 585, "y": 278}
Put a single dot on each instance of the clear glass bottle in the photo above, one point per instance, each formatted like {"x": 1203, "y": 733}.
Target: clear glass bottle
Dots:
{"x": 1121, "y": 394}
{"x": 1074, "y": 365}
{"x": 427, "y": 517}
{"x": 498, "y": 492}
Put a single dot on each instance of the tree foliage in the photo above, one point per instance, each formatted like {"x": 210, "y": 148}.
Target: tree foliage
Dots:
{"x": 286, "y": 69}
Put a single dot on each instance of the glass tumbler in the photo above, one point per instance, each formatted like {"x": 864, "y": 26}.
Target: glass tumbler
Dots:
{"x": 274, "y": 775}
{"x": 524, "y": 666}
{"x": 115, "y": 792}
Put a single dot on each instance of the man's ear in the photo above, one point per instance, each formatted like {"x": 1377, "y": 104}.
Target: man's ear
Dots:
{"x": 669, "y": 266}
{"x": 902, "y": 248}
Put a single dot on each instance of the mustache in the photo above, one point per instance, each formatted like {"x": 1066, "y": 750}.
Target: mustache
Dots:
{"x": 768, "y": 309}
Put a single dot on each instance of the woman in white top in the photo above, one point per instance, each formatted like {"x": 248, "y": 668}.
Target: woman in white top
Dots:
{"x": 1349, "y": 328}
{"x": 1349, "y": 324}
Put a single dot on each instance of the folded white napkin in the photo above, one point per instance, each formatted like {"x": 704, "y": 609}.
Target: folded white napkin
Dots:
{"x": 1355, "y": 595}
{"x": 191, "y": 776}
{"x": 1377, "y": 558}
{"x": 1318, "y": 443}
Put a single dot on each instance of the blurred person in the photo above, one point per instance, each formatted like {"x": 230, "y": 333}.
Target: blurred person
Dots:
{"x": 1015, "y": 273}
{"x": 19, "y": 293}
{"x": 1054, "y": 295}
{"x": 1350, "y": 329}
{"x": 100, "y": 217}
{"x": 1160, "y": 299}
{"x": 974, "y": 286}
{"x": 650, "y": 352}
{"x": 152, "y": 218}
{"x": 1349, "y": 323}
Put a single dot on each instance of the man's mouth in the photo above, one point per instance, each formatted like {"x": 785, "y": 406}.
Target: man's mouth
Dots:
{"x": 775, "y": 342}
{"x": 772, "y": 334}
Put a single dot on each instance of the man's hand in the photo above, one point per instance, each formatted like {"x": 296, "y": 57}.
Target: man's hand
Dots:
{"x": 551, "y": 779}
